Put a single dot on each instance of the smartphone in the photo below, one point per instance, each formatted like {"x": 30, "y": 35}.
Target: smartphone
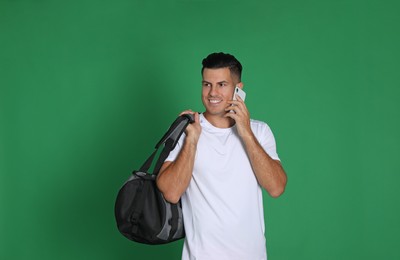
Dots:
{"x": 238, "y": 91}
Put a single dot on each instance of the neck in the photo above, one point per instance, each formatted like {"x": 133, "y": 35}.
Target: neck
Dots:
{"x": 219, "y": 121}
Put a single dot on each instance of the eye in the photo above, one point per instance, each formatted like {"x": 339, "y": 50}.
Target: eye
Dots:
{"x": 206, "y": 84}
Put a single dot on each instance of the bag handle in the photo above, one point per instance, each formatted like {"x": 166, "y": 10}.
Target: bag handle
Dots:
{"x": 176, "y": 129}
{"x": 170, "y": 139}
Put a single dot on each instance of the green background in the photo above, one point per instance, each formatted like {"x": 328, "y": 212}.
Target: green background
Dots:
{"x": 88, "y": 87}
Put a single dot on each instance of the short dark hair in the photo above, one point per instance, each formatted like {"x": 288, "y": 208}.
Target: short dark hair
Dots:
{"x": 223, "y": 60}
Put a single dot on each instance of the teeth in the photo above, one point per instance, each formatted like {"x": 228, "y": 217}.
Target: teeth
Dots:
{"x": 214, "y": 101}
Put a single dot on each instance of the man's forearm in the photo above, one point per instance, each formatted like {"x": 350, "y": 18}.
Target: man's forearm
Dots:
{"x": 269, "y": 173}
{"x": 174, "y": 177}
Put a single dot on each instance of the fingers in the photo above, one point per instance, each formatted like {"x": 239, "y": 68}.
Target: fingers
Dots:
{"x": 238, "y": 102}
{"x": 196, "y": 117}
{"x": 233, "y": 112}
{"x": 237, "y": 110}
{"x": 192, "y": 130}
{"x": 189, "y": 111}
{"x": 236, "y": 106}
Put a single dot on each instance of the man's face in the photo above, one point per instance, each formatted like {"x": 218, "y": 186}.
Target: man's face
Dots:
{"x": 217, "y": 88}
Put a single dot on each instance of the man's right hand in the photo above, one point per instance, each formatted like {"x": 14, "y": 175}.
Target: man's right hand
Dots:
{"x": 193, "y": 130}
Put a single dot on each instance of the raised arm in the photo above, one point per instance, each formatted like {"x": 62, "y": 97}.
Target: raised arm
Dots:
{"x": 174, "y": 177}
{"x": 269, "y": 173}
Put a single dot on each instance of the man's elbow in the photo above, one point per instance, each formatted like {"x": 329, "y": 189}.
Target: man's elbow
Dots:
{"x": 171, "y": 197}
{"x": 277, "y": 192}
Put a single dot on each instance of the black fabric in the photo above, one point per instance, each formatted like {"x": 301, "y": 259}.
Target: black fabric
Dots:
{"x": 141, "y": 212}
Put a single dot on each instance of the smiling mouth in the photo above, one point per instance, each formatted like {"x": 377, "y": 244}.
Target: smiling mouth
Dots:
{"x": 214, "y": 101}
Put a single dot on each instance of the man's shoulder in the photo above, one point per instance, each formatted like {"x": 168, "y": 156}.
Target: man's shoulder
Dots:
{"x": 258, "y": 123}
{"x": 260, "y": 128}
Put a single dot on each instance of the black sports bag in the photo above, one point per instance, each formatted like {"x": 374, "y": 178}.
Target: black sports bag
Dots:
{"x": 141, "y": 212}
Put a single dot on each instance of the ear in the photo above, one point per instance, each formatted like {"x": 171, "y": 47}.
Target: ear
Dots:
{"x": 240, "y": 85}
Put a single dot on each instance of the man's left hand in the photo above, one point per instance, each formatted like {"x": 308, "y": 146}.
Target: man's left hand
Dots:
{"x": 241, "y": 116}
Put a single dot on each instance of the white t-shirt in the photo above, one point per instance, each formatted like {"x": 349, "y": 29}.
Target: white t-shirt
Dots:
{"x": 222, "y": 206}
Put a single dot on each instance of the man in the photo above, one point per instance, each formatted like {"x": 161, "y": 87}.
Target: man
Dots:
{"x": 218, "y": 169}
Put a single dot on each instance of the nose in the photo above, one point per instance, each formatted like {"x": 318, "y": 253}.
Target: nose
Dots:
{"x": 213, "y": 91}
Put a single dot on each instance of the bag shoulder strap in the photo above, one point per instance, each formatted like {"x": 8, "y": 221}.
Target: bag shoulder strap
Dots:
{"x": 176, "y": 129}
{"x": 170, "y": 139}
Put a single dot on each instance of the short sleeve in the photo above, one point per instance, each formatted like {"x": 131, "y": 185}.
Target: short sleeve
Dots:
{"x": 266, "y": 138}
{"x": 174, "y": 153}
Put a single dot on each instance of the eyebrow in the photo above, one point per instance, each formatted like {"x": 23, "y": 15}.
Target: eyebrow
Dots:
{"x": 219, "y": 82}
